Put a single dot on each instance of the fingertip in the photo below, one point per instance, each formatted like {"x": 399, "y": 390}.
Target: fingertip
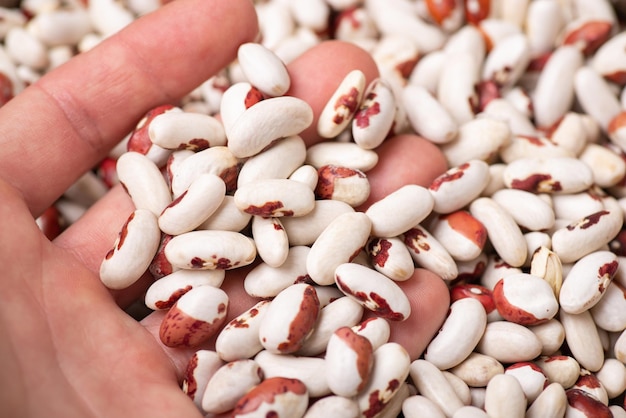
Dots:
{"x": 316, "y": 74}
{"x": 404, "y": 159}
{"x": 430, "y": 299}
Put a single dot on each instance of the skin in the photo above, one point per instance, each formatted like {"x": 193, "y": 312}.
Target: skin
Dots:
{"x": 68, "y": 347}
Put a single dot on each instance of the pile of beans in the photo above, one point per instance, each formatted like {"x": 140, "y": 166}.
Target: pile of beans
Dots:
{"x": 525, "y": 100}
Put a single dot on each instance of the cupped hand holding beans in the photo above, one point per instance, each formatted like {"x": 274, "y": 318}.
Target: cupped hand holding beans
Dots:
{"x": 68, "y": 347}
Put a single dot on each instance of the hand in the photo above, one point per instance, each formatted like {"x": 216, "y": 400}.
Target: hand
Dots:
{"x": 68, "y": 348}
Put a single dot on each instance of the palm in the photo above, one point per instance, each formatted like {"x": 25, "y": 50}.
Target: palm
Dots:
{"x": 98, "y": 340}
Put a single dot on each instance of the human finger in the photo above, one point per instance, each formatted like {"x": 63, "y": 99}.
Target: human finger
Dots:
{"x": 316, "y": 75}
{"x": 430, "y": 299}
{"x": 61, "y": 126}
{"x": 404, "y": 159}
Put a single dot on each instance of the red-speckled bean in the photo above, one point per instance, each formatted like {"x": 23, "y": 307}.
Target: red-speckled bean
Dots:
{"x": 548, "y": 175}
{"x": 278, "y": 396}
{"x": 390, "y": 370}
{"x": 309, "y": 370}
{"x": 462, "y": 235}
{"x": 374, "y": 117}
{"x": 342, "y": 105}
{"x": 390, "y": 257}
{"x": 459, "y": 185}
{"x": 271, "y": 240}
{"x": 587, "y": 281}
{"x": 290, "y": 319}
{"x": 200, "y": 368}
{"x": 525, "y": 299}
{"x": 229, "y": 383}
{"x": 210, "y": 250}
{"x": 375, "y": 329}
{"x": 204, "y": 195}
{"x": 275, "y": 197}
{"x": 195, "y": 317}
{"x": 429, "y": 253}
{"x": 163, "y": 293}
{"x": 216, "y": 160}
{"x": 239, "y": 339}
{"x": 132, "y": 252}
{"x": 373, "y": 290}
{"x": 186, "y": 130}
{"x": 530, "y": 377}
{"x": 341, "y": 312}
{"x": 350, "y": 359}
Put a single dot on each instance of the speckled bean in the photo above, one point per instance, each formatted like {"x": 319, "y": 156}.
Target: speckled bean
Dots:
{"x": 132, "y": 252}
{"x": 275, "y": 197}
{"x": 525, "y": 299}
{"x": 290, "y": 319}
{"x": 200, "y": 368}
{"x": 343, "y": 154}
{"x": 459, "y": 185}
{"x": 143, "y": 181}
{"x": 195, "y": 317}
{"x": 390, "y": 369}
{"x": 340, "y": 312}
{"x": 218, "y": 160}
{"x": 429, "y": 253}
{"x": 239, "y": 339}
{"x": 210, "y": 250}
{"x": 281, "y": 396}
{"x": 373, "y": 291}
{"x": 374, "y": 117}
{"x": 390, "y": 257}
{"x": 229, "y": 383}
{"x": 186, "y": 130}
{"x": 350, "y": 359}
{"x": 587, "y": 281}
{"x": 278, "y": 161}
{"x": 163, "y": 293}
{"x": 271, "y": 240}
{"x": 341, "y": 240}
{"x": 187, "y": 212}
{"x": 309, "y": 370}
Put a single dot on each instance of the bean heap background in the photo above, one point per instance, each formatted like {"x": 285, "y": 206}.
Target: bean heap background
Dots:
{"x": 492, "y": 112}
